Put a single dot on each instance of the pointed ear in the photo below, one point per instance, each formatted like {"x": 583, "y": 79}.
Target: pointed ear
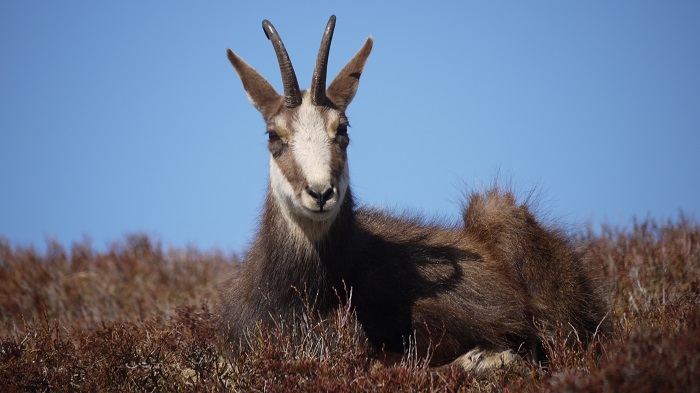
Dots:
{"x": 260, "y": 93}
{"x": 344, "y": 86}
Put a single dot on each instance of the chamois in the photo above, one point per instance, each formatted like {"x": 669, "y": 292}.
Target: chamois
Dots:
{"x": 484, "y": 288}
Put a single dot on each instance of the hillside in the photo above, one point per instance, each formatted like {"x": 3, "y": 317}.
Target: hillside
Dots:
{"x": 139, "y": 316}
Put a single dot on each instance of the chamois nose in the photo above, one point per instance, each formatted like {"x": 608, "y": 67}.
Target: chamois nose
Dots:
{"x": 321, "y": 197}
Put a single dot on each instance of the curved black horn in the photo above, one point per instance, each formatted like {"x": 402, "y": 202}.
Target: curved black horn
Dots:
{"x": 318, "y": 83}
{"x": 292, "y": 95}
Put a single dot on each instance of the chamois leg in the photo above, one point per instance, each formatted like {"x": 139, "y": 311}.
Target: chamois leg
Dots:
{"x": 479, "y": 361}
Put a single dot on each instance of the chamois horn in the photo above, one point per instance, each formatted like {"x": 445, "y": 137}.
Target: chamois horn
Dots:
{"x": 292, "y": 94}
{"x": 318, "y": 83}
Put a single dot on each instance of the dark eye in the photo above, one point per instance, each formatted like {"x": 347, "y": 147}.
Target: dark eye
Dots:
{"x": 272, "y": 134}
{"x": 341, "y": 135}
{"x": 342, "y": 130}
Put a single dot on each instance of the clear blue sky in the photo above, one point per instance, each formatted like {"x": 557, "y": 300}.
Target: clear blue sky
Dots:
{"x": 124, "y": 117}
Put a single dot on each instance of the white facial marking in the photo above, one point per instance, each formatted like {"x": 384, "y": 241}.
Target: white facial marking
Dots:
{"x": 284, "y": 194}
{"x": 301, "y": 224}
{"x": 280, "y": 187}
{"x": 311, "y": 145}
{"x": 281, "y": 127}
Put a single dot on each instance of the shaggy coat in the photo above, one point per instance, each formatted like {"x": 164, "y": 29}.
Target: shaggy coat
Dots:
{"x": 489, "y": 284}
{"x": 483, "y": 285}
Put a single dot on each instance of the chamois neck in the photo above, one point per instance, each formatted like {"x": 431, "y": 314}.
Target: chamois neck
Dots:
{"x": 288, "y": 260}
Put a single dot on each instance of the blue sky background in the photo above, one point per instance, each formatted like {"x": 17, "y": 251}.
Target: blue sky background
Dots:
{"x": 124, "y": 117}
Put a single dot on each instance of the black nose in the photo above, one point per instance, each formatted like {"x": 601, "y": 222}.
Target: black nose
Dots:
{"x": 321, "y": 197}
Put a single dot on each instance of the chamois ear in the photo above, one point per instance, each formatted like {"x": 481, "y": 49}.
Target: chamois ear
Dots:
{"x": 344, "y": 86}
{"x": 260, "y": 93}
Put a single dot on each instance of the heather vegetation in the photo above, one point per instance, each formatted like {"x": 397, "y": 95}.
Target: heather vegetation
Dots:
{"x": 139, "y": 316}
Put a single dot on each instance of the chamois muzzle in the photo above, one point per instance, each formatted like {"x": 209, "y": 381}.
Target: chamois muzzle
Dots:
{"x": 292, "y": 94}
{"x": 321, "y": 197}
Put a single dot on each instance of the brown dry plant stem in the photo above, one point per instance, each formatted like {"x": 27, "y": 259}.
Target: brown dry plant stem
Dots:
{"x": 137, "y": 317}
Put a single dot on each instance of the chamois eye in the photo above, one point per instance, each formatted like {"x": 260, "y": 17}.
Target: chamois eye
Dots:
{"x": 272, "y": 134}
{"x": 342, "y": 129}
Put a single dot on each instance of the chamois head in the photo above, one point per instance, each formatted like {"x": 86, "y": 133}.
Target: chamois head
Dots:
{"x": 307, "y": 132}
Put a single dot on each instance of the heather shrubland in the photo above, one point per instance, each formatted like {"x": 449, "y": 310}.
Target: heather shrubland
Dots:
{"x": 140, "y": 316}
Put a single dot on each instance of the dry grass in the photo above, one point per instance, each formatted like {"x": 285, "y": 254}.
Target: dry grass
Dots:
{"x": 139, "y": 318}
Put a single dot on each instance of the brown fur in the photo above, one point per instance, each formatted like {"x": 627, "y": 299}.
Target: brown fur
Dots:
{"x": 477, "y": 292}
{"x": 484, "y": 285}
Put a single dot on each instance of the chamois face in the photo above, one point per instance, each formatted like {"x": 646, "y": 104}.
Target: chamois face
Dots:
{"x": 307, "y": 132}
{"x": 308, "y": 164}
